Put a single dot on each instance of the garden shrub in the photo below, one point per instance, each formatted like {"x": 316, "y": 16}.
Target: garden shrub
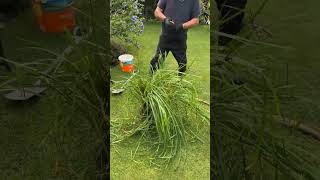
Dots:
{"x": 205, "y": 12}
{"x": 116, "y": 49}
{"x": 148, "y": 10}
{"x": 126, "y": 20}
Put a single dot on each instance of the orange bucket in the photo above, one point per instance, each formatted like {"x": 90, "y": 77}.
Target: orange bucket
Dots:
{"x": 55, "y": 21}
{"x": 127, "y": 68}
{"x": 126, "y": 63}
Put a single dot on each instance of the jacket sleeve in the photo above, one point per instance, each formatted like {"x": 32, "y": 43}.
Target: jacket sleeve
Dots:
{"x": 162, "y": 4}
{"x": 196, "y": 10}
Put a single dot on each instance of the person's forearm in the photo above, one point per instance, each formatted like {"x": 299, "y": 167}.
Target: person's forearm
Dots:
{"x": 159, "y": 15}
{"x": 193, "y": 22}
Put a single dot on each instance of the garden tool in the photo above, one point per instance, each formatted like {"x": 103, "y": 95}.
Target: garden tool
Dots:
{"x": 117, "y": 91}
{"x": 121, "y": 89}
{"x": 26, "y": 93}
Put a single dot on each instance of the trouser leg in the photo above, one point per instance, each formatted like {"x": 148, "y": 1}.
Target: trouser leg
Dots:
{"x": 181, "y": 58}
{"x": 158, "y": 58}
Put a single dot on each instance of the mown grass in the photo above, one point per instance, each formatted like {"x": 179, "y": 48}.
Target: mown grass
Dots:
{"x": 295, "y": 27}
{"x": 52, "y": 136}
{"x": 128, "y": 162}
{"x": 251, "y": 106}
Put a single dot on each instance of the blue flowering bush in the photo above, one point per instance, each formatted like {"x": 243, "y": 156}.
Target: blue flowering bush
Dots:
{"x": 126, "y": 20}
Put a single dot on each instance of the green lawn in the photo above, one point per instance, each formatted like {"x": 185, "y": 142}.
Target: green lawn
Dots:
{"x": 33, "y": 142}
{"x": 196, "y": 165}
{"x": 40, "y": 139}
{"x": 294, "y": 24}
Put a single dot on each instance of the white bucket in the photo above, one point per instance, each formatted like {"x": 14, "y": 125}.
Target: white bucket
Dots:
{"x": 126, "y": 63}
{"x": 126, "y": 59}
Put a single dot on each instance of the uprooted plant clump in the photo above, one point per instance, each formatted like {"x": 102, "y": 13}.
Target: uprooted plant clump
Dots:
{"x": 168, "y": 104}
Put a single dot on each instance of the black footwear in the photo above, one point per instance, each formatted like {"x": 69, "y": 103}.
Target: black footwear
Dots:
{"x": 181, "y": 74}
{"x": 153, "y": 69}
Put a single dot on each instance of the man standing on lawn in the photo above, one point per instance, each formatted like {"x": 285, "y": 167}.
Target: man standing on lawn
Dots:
{"x": 177, "y": 16}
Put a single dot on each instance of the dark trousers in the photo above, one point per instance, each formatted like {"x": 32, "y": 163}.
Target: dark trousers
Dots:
{"x": 161, "y": 53}
{"x": 230, "y": 9}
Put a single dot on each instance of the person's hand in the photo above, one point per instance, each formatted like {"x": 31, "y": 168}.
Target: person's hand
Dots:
{"x": 168, "y": 22}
